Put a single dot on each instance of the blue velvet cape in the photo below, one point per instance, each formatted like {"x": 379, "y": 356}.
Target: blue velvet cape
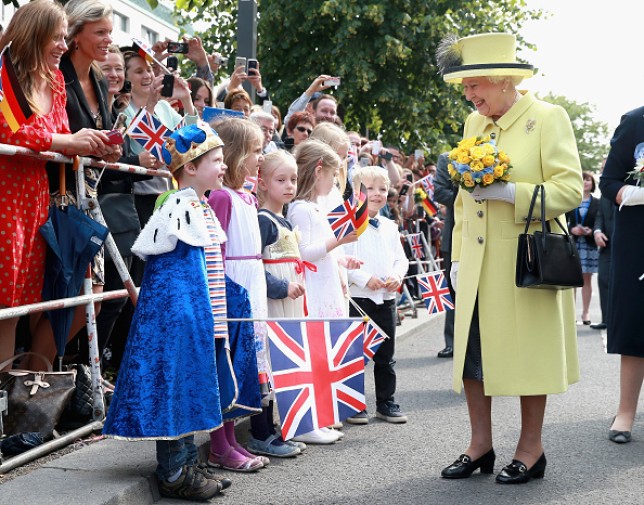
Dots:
{"x": 168, "y": 382}
{"x": 242, "y": 350}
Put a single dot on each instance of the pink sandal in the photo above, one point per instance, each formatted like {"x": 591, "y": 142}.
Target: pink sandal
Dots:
{"x": 246, "y": 465}
{"x": 241, "y": 449}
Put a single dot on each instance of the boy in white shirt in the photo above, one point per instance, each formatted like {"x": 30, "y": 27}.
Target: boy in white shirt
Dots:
{"x": 374, "y": 285}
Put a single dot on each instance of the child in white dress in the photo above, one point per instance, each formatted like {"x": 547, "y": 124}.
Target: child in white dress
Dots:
{"x": 318, "y": 166}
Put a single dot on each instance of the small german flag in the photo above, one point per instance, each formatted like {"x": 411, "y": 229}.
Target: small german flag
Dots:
{"x": 421, "y": 198}
{"x": 144, "y": 50}
{"x": 14, "y": 105}
{"x": 362, "y": 214}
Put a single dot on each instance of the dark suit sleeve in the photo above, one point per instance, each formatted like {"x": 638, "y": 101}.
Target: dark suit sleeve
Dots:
{"x": 620, "y": 159}
{"x": 444, "y": 190}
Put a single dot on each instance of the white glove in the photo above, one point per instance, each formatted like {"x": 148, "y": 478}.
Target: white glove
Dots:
{"x": 632, "y": 195}
{"x": 453, "y": 273}
{"x": 497, "y": 191}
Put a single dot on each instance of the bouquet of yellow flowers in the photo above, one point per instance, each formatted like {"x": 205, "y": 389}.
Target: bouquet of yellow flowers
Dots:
{"x": 478, "y": 161}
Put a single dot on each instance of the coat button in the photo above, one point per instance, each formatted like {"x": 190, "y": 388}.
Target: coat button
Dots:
{"x": 480, "y": 240}
{"x": 479, "y": 213}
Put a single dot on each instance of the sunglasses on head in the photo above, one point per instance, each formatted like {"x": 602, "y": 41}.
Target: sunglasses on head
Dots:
{"x": 303, "y": 129}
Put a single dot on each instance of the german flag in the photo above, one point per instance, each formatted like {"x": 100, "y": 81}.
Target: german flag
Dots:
{"x": 144, "y": 50}
{"x": 14, "y": 105}
{"x": 361, "y": 219}
{"x": 421, "y": 198}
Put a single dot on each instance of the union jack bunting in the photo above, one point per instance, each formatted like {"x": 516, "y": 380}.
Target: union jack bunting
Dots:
{"x": 435, "y": 293}
{"x": 148, "y": 131}
{"x": 342, "y": 219}
{"x": 250, "y": 184}
{"x": 373, "y": 337}
{"x": 318, "y": 372}
{"x": 416, "y": 245}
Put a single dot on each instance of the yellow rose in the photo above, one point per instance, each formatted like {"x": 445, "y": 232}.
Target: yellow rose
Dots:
{"x": 467, "y": 176}
{"x": 503, "y": 158}
{"x": 484, "y": 139}
{"x": 453, "y": 154}
{"x": 490, "y": 149}
{"x": 476, "y": 165}
{"x": 467, "y": 144}
{"x": 463, "y": 158}
{"x": 506, "y": 177}
{"x": 469, "y": 183}
{"x": 477, "y": 152}
{"x": 488, "y": 179}
{"x": 498, "y": 171}
{"x": 488, "y": 160}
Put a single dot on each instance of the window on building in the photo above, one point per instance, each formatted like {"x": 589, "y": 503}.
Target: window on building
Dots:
{"x": 121, "y": 22}
{"x": 150, "y": 35}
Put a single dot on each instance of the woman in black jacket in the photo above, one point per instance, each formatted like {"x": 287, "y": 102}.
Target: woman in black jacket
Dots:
{"x": 580, "y": 223}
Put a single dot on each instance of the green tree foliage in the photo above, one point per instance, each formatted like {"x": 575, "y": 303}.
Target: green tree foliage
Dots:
{"x": 382, "y": 49}
{"x": 592, "y": 135}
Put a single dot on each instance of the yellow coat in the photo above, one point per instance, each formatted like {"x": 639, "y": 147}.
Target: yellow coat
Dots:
{"x": 528, "y": 336}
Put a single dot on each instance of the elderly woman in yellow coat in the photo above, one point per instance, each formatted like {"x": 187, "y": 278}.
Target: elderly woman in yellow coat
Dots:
{"x": 509, "y": 341}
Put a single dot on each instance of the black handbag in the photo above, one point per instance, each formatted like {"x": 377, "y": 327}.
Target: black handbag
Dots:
{"x": 36, "y": 399}
{"x": 545, "y": 259}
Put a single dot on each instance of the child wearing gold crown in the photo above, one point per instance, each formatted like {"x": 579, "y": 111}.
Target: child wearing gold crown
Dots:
{"x": 175, "y": 378}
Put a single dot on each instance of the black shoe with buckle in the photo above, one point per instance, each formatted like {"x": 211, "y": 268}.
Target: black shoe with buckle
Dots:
{"x": 517, "y": 473}
{"x": 463, "y": 467}
{"x": 448, "y": 352}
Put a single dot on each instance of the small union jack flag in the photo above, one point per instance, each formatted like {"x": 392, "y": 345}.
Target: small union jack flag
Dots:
{"x": 427, "y": 183}
{"x": 416, "y": 245}
{"x": 318, "y": 372}
{"x": 342, "y": 219}
{"x": 148, "y": 131}
{"x": 373, "y": 337}
{"x": 250, "y": 184}
{"x": 435, "y": 293}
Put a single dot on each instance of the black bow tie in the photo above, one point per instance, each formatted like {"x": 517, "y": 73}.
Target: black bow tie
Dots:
{"x": 374, "y": 222}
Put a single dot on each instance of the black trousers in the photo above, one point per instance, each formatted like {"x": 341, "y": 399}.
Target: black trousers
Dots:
{"x": 448, "y": 331}
{"x": 384, "y": 375}
{"x": 603, "y": 274}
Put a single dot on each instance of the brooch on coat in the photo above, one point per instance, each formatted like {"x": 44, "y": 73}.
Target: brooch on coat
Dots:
{"x": 529, "y": 125}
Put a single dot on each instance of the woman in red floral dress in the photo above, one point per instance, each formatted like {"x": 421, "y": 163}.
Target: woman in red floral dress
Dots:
{"x": 37, "y": 34}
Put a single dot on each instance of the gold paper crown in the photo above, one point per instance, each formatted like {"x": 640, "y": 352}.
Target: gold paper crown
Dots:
{"x": 188, "y": 143}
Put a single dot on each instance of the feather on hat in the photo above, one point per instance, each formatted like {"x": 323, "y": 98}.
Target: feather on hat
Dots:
{"x": 484, "y": 55}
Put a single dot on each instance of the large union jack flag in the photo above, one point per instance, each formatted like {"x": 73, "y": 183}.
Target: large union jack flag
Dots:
{"x": 318, "y": 372}
{"x": 435, "y": 293}
{"x": 416, "y": 245}
{"x": 148, "y": 131}
{"x": 374, "y": 336}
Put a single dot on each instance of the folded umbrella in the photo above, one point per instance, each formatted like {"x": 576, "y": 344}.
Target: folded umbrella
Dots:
{"x": 73, "y": 239}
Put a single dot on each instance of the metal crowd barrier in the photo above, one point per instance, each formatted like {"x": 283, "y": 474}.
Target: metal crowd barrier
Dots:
{"x": 87, "y": 298}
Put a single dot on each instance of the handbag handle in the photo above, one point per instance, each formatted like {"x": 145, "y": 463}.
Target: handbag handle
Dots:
{"x": 545, "y": 227}
{"x": 22, "y": 354}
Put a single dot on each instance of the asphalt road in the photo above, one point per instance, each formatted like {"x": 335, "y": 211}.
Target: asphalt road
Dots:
{"x": 397, "y": 464}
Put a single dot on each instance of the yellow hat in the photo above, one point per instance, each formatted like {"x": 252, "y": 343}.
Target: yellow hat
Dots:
{"x": 188, "y": 143}
{"x": 483, "y": 55}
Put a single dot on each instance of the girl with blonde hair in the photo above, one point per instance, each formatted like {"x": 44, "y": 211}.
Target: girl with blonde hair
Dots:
{"x": 318, "y": 166}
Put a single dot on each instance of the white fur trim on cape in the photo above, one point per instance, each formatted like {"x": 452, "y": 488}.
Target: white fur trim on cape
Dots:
{"x": 179, "y": 218}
